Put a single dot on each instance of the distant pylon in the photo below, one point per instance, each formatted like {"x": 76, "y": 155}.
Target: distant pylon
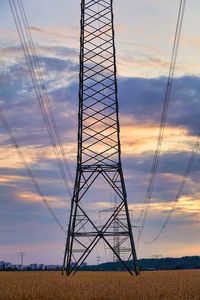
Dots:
{"x": 99, "y": 155}
{"x": 21, "y": 255}
{"x": 119, "y": 249}
{"x": 98, "y": 258}
{"x": 116, "y": 237}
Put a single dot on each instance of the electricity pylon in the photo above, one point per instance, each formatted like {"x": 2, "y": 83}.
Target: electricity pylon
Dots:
{"x": 99, "y": 155}
{"x": 117, "y": 243}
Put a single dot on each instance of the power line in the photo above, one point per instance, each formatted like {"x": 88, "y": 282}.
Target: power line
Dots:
{"x": 181, "y": 187}
{"x": 150, "y": 187}
{"x": 29, "y": 171}
{"x": 39, "y": 86}
{"x": 27, "y": 27}
{"x": 42, "y": 98}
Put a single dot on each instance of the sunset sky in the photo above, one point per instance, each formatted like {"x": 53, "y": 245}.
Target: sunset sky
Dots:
{"x": 144, "y": 37}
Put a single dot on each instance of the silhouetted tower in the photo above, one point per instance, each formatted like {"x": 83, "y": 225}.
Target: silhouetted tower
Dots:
{"x": 99, "y": 156}
{"x": 116, "y": 239}
{"x": 118, "y": 244}
{"x": 116, "y": 229}
{"x": 21, "y": 255}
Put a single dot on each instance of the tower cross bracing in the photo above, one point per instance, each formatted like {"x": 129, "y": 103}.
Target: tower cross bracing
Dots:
{"x": 99, "y": 155}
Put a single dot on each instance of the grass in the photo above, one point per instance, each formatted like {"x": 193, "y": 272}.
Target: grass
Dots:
{"x": 100, "y": 285}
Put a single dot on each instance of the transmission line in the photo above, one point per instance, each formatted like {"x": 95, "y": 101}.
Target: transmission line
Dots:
{"x": 39, "y": 86}
{"x": 29, "y": 172}
{"x": 27, "y": 27}
{"x": 183, "y": 182}
{"x": 150, "y": 187}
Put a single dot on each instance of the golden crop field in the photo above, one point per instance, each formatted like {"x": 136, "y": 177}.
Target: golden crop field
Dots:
{"x": 100, "y": 285}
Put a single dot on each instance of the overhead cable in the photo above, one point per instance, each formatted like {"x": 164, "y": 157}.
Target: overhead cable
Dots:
{"x": 39, "y": 86}
{"x": 179, "y": 193}
{"x": 26, "y": 166}
{"x": 150, "y": 187}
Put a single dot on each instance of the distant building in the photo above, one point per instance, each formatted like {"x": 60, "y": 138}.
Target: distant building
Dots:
{"x": 41, "y": 267}
{"x": 20, "y": 267}
{"x": 33, "y": 266}
{"x": 2, "y": 264}
{"x": 5, "y": 265}
{"x": 52, "y": 267}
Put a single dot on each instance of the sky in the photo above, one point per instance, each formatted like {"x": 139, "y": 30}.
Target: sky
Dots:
{"x": 144, "y": 32}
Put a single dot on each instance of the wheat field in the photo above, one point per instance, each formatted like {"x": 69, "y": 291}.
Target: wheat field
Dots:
{"x": 100, "y": 285}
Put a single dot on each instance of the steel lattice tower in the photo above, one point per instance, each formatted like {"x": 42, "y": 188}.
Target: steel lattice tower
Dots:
{"x": 99, "y": 156}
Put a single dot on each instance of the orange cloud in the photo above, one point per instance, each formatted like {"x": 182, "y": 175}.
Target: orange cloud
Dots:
{"x": 186, "y": 205}
{"x": 137, "y": 139}
{"x": 10, "y": 178}
{"x": 27, "y": 196}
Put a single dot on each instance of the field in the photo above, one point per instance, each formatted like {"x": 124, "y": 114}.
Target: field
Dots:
{"x": 99, "y": 285}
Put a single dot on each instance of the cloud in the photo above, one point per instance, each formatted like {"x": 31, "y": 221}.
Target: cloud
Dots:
{"x": 130, "y": 64}
{"x": 143, "y": 98}
{"x": 39, "y": 29}
{"x": 10, "y": 55}
{"x": 132, "y": 45}
{"x": 58, "y": 31}
{"x": 142, "y": 139}
{"x": 61, "y": 36}
{"x": 140, "y": 115}
{"x": 57, "y": 65}
{"x": 141, "y": 103}
{"x": 32, "y": 197}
